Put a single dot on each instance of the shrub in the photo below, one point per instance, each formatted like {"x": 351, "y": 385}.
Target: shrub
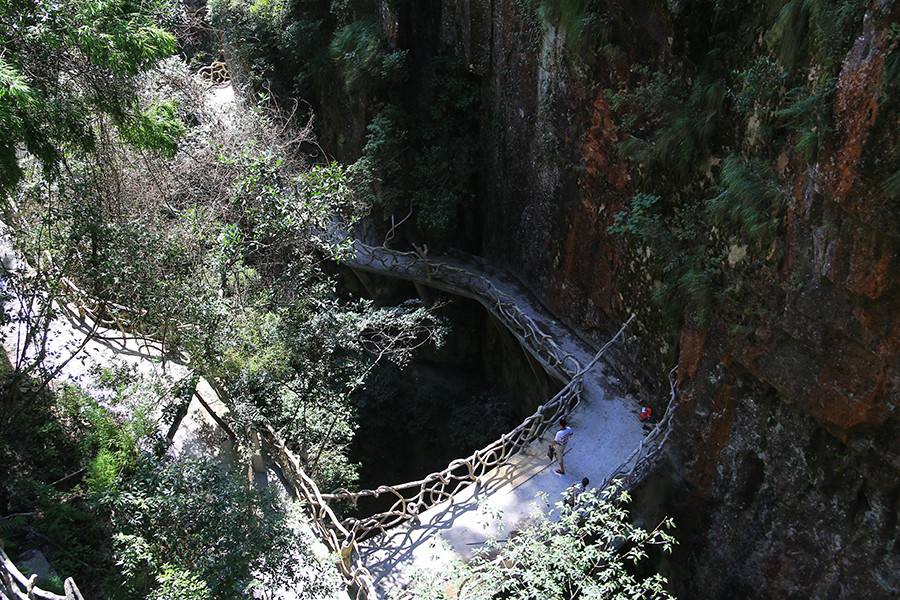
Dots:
{"x": 589, "y": 551}
{"x": 750, "y": 204}
{"x": 357, "y": 50}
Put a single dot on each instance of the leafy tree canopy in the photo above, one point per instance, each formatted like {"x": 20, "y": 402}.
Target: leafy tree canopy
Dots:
{"x": 66, "y": 64}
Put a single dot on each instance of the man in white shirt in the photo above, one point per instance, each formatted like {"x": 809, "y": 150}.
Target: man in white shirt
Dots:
{"x": 559, "y": 444}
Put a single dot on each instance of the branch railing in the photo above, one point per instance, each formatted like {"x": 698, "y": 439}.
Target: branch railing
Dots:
{"x": 412, "y": 498}
{"x": 17, "y": 586}
{"x": 643, "y": 459}
{"x": 414, "y": 266}
{"x": 129, "y": 323}
{"x": 337, "y": 538}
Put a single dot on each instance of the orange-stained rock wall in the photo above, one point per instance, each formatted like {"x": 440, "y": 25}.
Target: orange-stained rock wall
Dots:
{"x": 785, "y": 463}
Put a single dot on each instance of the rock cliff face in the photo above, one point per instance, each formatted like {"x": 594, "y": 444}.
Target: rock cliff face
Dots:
{"x": 786, "y": 478}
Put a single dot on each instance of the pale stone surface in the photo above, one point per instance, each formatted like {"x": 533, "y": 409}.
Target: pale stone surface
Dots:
{"x": 606, "y": 432}
{"x": 33, "y": 562}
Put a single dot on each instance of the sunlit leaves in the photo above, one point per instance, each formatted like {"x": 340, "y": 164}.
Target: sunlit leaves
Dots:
{"x": 589, "y": 550}
{"x": 69, "y": 65}
{"x": 156, "y": 127}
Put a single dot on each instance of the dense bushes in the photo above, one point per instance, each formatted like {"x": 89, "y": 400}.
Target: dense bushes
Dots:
{"x": 189, "y": 526}
{"x": 95, "y": 491}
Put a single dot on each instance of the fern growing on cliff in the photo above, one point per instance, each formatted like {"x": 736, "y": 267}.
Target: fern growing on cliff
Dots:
{"x": 750, "y": 203}
{"x": 571, "y": 16}
{"x": 824, "y": 29}
{"x": 356, "y": 48}
{"x": 808, "y": 116}
{"x": 689, "y": 125}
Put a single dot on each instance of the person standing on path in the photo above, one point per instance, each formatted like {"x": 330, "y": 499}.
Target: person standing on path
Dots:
{"x": 559, "y": 444}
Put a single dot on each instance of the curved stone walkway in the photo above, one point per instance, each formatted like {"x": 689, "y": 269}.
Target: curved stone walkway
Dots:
{"x": 607, "y": 432}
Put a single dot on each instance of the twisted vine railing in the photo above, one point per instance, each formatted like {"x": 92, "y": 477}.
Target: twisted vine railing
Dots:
{"x": 336, "y": 537}
{"x": 18, "y": 587}
{"x": 412, "y": 498}
{"x": 215, "y": 72}
{"x": 459, "y": 281}
{"x": 129, "y": 323}
{"x": 643, "y": 459}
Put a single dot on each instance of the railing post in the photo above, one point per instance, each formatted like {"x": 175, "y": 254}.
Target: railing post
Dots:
{"x": 72, "y": 591}
{"x": 6, "y": 579}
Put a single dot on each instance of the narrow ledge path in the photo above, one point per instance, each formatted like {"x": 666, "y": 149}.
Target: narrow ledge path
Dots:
{"x": 607, "y": 429}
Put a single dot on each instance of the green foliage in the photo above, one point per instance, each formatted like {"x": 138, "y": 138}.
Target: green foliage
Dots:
{"x": 763, "y": 89}
{"x": 118, "y": 36}
{"x": 155, "y": 128}
{"x": 823, "y": 29}
{"x": 356, "y": 48}
{"x": 756, "y": 93}
{"x": 688, "y": 125}
{"x": 112, "y": 446}
{"x": 377, "y": 175}
{"x": 808, "y": 116}
{"x": 750, "y": 204}
{"x": 192, "y": 526}
{"x": 177, "y": 584}
{"x": 590, "y": 551}
{"x": 71, "y": 456}
{"x": 640, "y": 220}
{"x": 571, "y": 16}
{"x": 678, "y": 253}
{"x": 52, "y": 116}
{"x": 271, "y": 12}
{"x": 282, "y": 45}
{"x": 419, "y": 158}
{"x": 686, "y": 244}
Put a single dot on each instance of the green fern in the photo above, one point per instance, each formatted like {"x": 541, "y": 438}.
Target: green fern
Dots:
{"x": 750, "y": 203}
{"x": 689, "y": 125}
{"x": 571, "y": 16}
{"x": 890, "y": 187}
{"x": 814, "y": 26}
{"x": 357, "y": 50}
{"x": 808, "y": 116}
{"x": 788, "y": 36}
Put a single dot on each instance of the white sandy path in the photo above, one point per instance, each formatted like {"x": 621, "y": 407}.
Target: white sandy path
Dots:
{"x": 607, "y": 431}
{"x": 199, "y": 434}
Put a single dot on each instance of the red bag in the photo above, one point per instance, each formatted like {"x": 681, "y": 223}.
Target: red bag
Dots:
{"x": 645, "y": 413}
